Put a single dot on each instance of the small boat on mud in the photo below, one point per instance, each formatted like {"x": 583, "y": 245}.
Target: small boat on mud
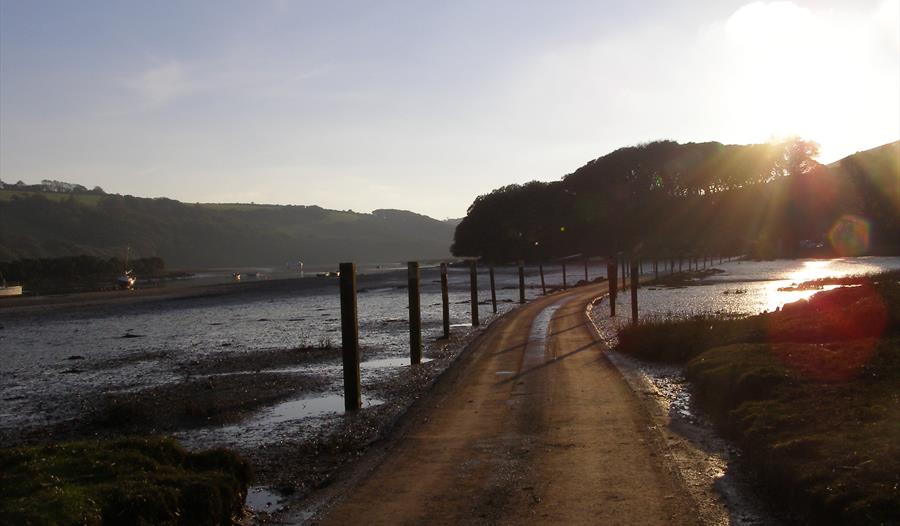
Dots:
{"x": 329, "y": 274}
{"x": 9, "y": 290}
{"x": 126, "y": 281}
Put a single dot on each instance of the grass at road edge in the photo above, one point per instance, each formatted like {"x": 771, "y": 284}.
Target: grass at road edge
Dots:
{"x": 123, "y": 481}
{"x": 811, "y": 394}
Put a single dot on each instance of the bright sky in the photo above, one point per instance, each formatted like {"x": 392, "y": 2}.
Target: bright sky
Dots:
{"x": 421, "y": 105}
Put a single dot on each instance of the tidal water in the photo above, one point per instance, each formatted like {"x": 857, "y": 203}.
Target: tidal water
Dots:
{"x": 50, "y": 361}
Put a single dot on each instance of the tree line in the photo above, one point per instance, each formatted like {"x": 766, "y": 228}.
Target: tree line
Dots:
{"x": 665, "y": 199}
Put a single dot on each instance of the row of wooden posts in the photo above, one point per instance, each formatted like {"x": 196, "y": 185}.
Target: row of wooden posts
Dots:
{"x": 350, "y": 320}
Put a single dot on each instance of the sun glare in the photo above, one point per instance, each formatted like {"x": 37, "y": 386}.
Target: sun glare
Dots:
{"x": 813, "y": 72}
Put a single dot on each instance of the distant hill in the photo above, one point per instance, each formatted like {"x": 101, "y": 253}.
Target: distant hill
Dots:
{"x": 38, "y": 222}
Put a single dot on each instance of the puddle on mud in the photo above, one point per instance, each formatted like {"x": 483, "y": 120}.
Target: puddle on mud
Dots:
{"x": 310, "y": 408}
{"x": 328, "y": 369}
{"x": 402, "y": 361}
{"x": 263, "y": 500}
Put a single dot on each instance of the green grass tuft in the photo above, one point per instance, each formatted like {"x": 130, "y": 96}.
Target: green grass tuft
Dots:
{"x": 124, "y": 481}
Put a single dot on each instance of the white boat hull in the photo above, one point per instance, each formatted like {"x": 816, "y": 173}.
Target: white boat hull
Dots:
{"x": 13, "y": 290}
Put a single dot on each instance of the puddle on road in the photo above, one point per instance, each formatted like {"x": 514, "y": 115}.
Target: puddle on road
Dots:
{"x": 264, "y": 500}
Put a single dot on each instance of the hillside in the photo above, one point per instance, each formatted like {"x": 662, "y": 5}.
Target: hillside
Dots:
{"x": 52, "y": 224}
{"x": 669, "y": 199}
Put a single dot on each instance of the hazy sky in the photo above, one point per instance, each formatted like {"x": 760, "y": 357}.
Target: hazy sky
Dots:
{"x": 421, "y": 105}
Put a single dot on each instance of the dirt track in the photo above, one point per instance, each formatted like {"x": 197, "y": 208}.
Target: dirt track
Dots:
{"x": 529, "y": 431}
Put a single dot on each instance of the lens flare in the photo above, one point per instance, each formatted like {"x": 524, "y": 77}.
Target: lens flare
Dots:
{"x": 849, "y": 236}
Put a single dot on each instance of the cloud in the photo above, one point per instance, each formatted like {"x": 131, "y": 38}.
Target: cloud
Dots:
{"x": 161, "y": 83}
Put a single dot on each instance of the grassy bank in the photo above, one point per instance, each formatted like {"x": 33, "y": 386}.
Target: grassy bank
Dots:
{"x": 811, "y": 393}
{"x": 125, "y": 481}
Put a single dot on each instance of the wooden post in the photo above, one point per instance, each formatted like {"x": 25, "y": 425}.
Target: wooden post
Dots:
{"x": 445, "y": 300}
{"x": 493, "y": 290}
{"x": 612, "y": 279}
{"x": 564, "y": 275}
{"x": 350, "y": 337}
{"x": 586, "y": 278}
{"x": 655, "y": 269}
{"x": 680, "y": 260}
{"x": 624, "y": 272}
{"x": 415, "y": 314}
{"x": 473, "y": 289}
{"x": 522, "y": 282}
{"x": 543, "y": 285}
{"x": 634, "y": 290}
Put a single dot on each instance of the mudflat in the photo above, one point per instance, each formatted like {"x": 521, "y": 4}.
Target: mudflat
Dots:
{"x": 536, "y": 427}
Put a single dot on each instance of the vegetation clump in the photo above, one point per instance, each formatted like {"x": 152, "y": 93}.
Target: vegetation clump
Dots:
{"x": 809, "y": 392}
{"x": 123, "y": 481}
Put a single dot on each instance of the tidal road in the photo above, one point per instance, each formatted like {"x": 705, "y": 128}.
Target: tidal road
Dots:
{"x": 534, "y": 427}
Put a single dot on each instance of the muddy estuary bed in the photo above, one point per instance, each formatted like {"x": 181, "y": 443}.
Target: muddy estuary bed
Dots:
{"x": 258, "y": 370}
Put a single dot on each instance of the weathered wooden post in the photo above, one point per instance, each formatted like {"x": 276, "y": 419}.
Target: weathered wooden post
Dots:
{"x": 586, "y": 278}
{"x": 635, "y": 277}
{"x": 445, "y": 300}
{"x": 543, "y": 285}
{"x": 612, "y": 279}
{"x": 521, "y": 282}
{"x": 350, "y": 337}
{"x": 493, "y": 290}
{"x": 655, "y": 269}
{"x": 473, "y": 289}
{"x": 415, "y": 314}
{"x": 624, "y": 272}
{"x": 564, "y": 275}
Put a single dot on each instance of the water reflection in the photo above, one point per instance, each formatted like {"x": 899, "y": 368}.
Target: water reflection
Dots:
{"x": 811, "y": 271}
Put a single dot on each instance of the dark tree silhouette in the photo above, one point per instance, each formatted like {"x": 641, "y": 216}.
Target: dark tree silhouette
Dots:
{"x": 665, "y": 199}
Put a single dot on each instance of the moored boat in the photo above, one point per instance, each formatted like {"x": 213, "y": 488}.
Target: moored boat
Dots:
{"x": 9, "y": 290}
{"x": 127, "y": 280}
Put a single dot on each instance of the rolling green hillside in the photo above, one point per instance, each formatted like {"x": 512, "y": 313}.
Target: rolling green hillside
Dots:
{"x": 41, "y": 224}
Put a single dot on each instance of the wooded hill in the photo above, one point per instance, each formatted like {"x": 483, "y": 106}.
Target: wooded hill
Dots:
{"x": 665, "y": 199}
{"x": 44, "y": 224}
